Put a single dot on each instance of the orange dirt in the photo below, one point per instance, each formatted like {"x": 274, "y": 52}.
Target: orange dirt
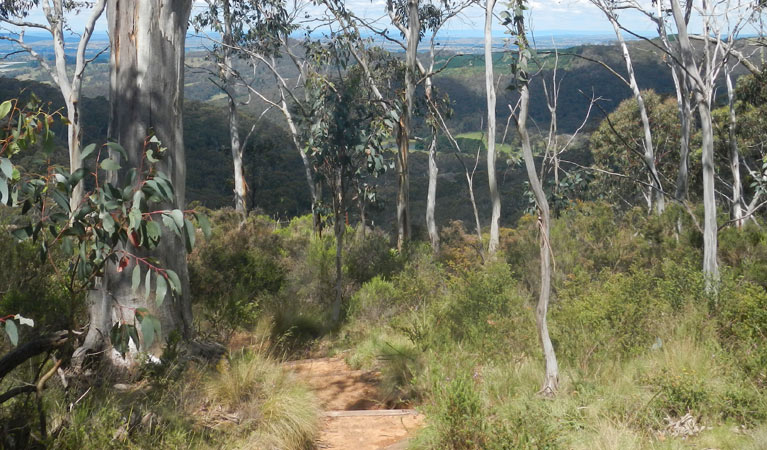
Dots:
{"x": 354, "y": 418}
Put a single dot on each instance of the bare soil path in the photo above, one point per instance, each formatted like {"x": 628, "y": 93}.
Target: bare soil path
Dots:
{"x": 354, "y": 419}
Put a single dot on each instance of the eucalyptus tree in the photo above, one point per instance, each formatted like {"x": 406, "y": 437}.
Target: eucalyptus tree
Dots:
{"x": 69, "y": 80}
{"x": 430, "y": 16}
{"x": 345, "y": 129}
{"x": 246, "y": 28}
{"x": 702, "y": 77}
{"x": 495, "y": 196}
{"x": 520, "y": 82}
{"x": 146, "y": 98}
{"x": 656, "y": 199}
{"x": 113, "y": 226}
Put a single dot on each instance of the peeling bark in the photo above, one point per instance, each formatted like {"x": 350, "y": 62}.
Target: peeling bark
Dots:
{"x": 146, "y": 95}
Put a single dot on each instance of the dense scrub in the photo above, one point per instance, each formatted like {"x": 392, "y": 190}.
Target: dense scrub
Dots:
{"x": 640, "y": 343}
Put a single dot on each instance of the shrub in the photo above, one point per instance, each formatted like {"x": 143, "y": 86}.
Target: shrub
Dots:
{"x": 621, "y": 314}
{"x": 233, "y": 270}
{"x": 459, "y": 249}
{"x": 32, "y": 289}
{"x": 371, "y": 256}
{"x": 373, "y": 301}
{"x": 485, "y": 310}
{"x": 459, "y": 419}
{"x": 742, "y": 317}
{"x": 680, "y": 392}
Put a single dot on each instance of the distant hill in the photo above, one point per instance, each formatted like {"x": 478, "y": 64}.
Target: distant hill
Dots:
{"x": 274, "y": 171}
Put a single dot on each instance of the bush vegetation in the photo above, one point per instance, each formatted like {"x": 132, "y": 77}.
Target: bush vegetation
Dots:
{"x": 639, "y": 341}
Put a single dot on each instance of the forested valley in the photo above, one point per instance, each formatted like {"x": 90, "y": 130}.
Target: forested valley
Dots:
{"x": 288, "y": 225}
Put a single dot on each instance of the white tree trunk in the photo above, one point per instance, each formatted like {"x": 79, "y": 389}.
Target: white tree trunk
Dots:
{"x": 657, "y": 200}
{"x": 240, "y": 191}
{"x": 71, "y": 88}
{"x": 431, "y": 197}
{"x": 702, "y": 92}
{"x": 495, "y": 197}
{"x": 685, "y": 119}
{"x": 551, "y": 378}
{"x": 736, "y": 211}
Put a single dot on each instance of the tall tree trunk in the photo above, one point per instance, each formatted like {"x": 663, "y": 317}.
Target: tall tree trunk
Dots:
{"x": 656, "y": 196}
{"x": 74, "y": 139}
{"x": 403, "y": 184}
{"x": 701, "y": 91}
{"x": 146, "y": 94}
{"x": 71, "y": 88}
{"x": 551, "y": 379}
{"x": 339, "y": 228}
{"x": 736, "y": 210}
{"x": 234, "y": 131}
{"x": 710, "y": 228}
{"x": 685, "y": 119}
{"x": 431, "y": 196}
{"x": 405, "y": 127}
{"x": 495, "y": 196}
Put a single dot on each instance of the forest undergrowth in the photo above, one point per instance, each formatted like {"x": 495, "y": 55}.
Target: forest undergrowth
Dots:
{"x": 648, "y": 359}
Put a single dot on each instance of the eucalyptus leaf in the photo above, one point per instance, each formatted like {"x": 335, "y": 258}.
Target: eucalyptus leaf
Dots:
{"x": 202, "y": 219}
{"x": 118, "y": 148}
{"x": 87, "y": 151}
{"x": 5, "y": 108}
{"x": 189, "y": 233}
{"x": 110, "y": 164}
{"x": 175, "y": 282}
{"x": 148, "y": 331}
{"x": 136, "y": 279}
{"x": 3, "y": 191}
{"x": 178, "y": 217}
{"x": 12, "y": 331}
{"x": 162, "y": 288}
{"x": 147, "y": 284}
{"x": 6, "y": 167}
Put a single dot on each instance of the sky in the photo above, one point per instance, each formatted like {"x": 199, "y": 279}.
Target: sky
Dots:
{"x": 545, "y": 16}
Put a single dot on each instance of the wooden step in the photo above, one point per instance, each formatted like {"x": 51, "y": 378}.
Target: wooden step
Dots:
{"x": 371, "y": 413}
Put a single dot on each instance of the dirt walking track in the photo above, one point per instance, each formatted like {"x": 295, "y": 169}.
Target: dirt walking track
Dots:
{"x": 353, "y": 419}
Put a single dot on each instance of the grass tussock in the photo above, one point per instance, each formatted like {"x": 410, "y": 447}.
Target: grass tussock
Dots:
{"x": 266, "y": 403}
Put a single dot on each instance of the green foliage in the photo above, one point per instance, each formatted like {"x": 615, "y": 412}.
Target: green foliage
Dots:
{"x": 372, "y": 256}
{"x": 233, "y": 273}
{"x": 273, "y": 409}
{"x": 616, "y": 146}
{"x": 742, "y": 314}
{"x": 109, "y": 225}
{"x": 485, "y": 310}
{"x": 459, "y": 418}
{"x": 622, "y": 314}
{"x": 680, "y": 393}
{"x": 373, "y": 300}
